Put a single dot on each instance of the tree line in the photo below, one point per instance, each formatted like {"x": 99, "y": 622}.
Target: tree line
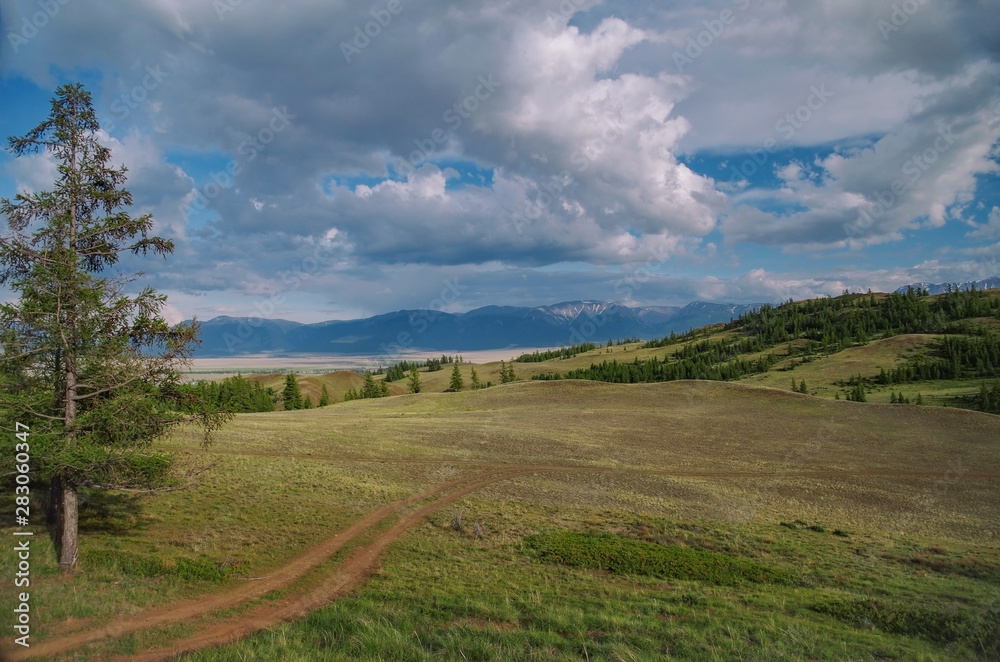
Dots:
{"x": 370, "y": 389}
{"x": 233, "y": 394}
{"x": 667, "y": 369}
{"x": 561, "y": 353}
{"x": 401, "y": 369}
{"x": 836, "y": 323}
{"x": 989, "y": 398}
{"x": 958, "y": 357}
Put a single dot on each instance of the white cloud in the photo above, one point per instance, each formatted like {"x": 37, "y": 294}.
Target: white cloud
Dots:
{"x": 582, "y": 137}
{"x": 991, "y": 228}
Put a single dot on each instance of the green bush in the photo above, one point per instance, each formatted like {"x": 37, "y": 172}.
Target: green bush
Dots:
{"x": 626, "y": 556}
{"x": 200, "y": 569}
{"x": 942, "y": 626}
{"x": 125, "y": 563}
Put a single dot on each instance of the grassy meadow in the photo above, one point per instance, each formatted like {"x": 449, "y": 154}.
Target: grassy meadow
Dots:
{"x": 685, "y": 520}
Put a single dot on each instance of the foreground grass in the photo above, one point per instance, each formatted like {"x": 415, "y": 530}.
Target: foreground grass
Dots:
{"x": 446, "y": 595}
{"x": 671, "y": 458}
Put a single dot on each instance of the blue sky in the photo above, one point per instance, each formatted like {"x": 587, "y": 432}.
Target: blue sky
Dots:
{"x": 525, "y": 153}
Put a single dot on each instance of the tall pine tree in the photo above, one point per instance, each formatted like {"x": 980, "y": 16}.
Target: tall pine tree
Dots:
{"x": 457, "y": 383}
{"x": 90, "y": 365}
{"x": 414, "y": 379}
{"x": 291, "y": 396}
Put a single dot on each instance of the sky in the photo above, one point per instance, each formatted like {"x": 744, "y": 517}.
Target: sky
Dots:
{"x": 322, "y": 159}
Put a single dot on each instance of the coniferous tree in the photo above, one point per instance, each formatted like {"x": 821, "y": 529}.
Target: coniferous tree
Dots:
{"x": 89, "y": 367}
{"x": 232, "y": 395}
{"x": 475, "y": 379}
{"x": 414, "y": 379}
{"x": 324, "y": 397}
{"x": 369, "y": 389}
{"x": 457, "y": 383}
{"x": 308, "y": 402}
{"x": 292, "y": 395}
{"x": 858, "y": 392}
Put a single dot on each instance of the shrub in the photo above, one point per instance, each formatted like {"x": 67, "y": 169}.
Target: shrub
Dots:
{"x": 201, "y": 569}
{"x": 456, "y": 522}
{"x": 627, "y": 556}
{"x": 942, "y": 626}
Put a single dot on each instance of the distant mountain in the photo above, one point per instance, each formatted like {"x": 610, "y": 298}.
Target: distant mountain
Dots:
{"x": 490, "y": 327}
{"x": 991, "y": 283}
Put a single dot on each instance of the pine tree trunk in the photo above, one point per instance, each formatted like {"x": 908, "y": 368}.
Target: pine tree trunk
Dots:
{"x": 69, "y": 518}
{"x": 54, "y": 512}
{"x": 69, "y": 527}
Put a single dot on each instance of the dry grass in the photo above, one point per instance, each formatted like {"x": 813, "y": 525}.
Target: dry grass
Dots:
{"x": 653, "y": 434}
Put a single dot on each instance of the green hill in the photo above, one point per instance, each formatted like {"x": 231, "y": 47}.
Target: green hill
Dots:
{"x": 946, "y": 347}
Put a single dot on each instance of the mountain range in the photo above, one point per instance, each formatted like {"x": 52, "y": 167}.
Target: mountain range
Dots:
{"x": 491, "y": 327}
{"x": 991, "y": 283}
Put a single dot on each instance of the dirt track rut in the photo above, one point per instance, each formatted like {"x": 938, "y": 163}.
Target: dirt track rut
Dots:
{"x": 279, "y": 578}
{"x": 347, "y": 576}
{"x": 356, "y": 568}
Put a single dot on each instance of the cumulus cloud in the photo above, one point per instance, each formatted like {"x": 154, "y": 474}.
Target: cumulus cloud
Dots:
{"x": 990, "y": 229}
{"x": 506, "y": 142}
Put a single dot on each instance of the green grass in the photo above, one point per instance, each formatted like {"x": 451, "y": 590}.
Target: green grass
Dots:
{"x": 625, "y": 556}
{"x": 285, "y": 481}
{"x": 443, "y": 595}
{"x": 978, "y": 632}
